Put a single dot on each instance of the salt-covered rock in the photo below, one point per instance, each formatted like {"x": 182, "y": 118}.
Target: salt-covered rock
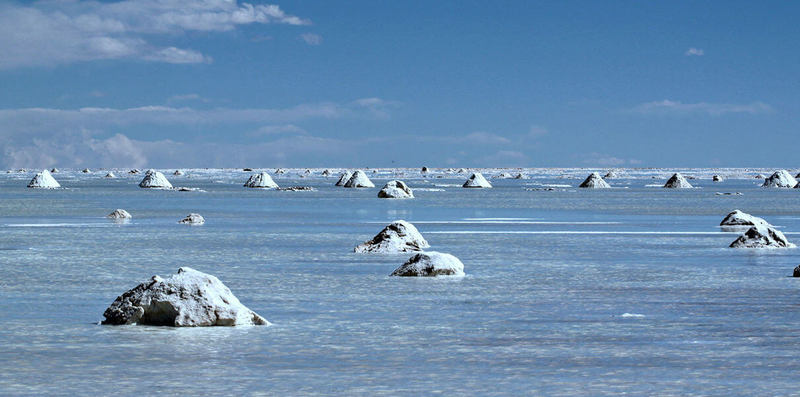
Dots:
{"x": 398, "y": 236}
{"x": 477, "y": 180}
{"x": 759, "y": 176}
{"x": 177, "y": 173}
{"x": 247, "y": 169}
{"x": 797, "y": 176}
{"x": 280, "y": 171}
{"x": 86, "y": 171}
{"x": 134, "y": 171}
{"x": 430, "y": 264}
{"x": 796, "y": 272}
{"x": 44, "y": 180}
{"x": 326, "y": 173}
{"x": 461, "y": 171}
{"x": 739, "y": 218}
{"x": 155, "y": 180}
{"x": 717, "y": 178}
{"x": 780, "y": 178}
{"x": 110, "y": 174}
{"x": 344, "y": 178}
{"x": 54, "y": 171}
{"x": 396, "y": 189}
{"x": 424, "y": 170}
{"x": 611, "y": 175}
{"x": 503, "y": 175}
{"x": 594, "y": 181}
{"x": 762, "y": 236}
{"x": 359, "y": 179}
{"x": 520, "y": 176}
{"x": 193, "y": 219}
{"x": 189, "y": 298}
{"x": 677, "y": 181}
{"x": 261, "y": 180}
{"x": 296, "y": 189}
{"x": 119, "y": 213}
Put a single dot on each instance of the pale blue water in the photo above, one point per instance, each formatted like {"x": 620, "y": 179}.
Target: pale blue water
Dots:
{"x": 540, "y": 311}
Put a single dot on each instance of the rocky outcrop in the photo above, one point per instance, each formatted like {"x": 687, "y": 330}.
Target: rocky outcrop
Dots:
{"x": 44, "y": 180}
{"x": 430, "y": 264}
{"x": 477, "y": 180}
{"x": 796, "y": 272}
{"x": 677, "y": 181}
{"x": 155, "y": 180}
{"x": 398, "y": 236}
{"x": 359, "y": 179}
{"x": 424, "y": 170}
{"x": 119, "y": 213}
{"x": 189, "y": 298}
{"x": 780, "y": 178}
{"x": 739, "y": 218}
{"x": 344, "y": 178}
{"x": 396, "y": 189}
{"x": 261, "y": 180}
{"x": 762, "y": 236}
{"x": 594, "y": 181}
{"x": 193, "y": 219}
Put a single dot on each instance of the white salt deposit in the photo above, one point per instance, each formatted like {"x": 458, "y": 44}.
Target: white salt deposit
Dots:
{"x": 762, "y": 236}
{"x": 398, "y": 236}
{"x": 739, "y": 218}
{"x": 430, "y": 264}
{"x": 119, "y": 213}
{"x": 155, "y": 180}
{"x": 261, "y": 180}
{"x": 780, "y": 178}
{"x": 193, "y": 219}
{"x": 594, "y": 181}
{"x": 344, "y": 178}
{"x": 477, "y": 180}
{"x": 110, "y": 174}
{"x": 359, "y": 179}
{"x": 677, "y": 181}
{"x": 44, "y": 180}
{"x": 396, "y": 189}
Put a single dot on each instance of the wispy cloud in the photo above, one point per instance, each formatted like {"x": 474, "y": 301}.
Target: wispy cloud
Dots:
{"x": 715, "y": 109}
{"x": 698, "y": 52}
{"x": 311, "y": 38}
{"x": 46, "y": 33}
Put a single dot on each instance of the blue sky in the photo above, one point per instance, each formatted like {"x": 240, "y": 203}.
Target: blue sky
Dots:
{"x": 221, "y": 83}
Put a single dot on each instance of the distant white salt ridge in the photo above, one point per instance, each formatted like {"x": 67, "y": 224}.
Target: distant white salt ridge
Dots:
{"x": 430, "y": 264}
{"x": 477, "y": 180}
{"x": 155, "y": 180}
{"x": 43, "y": 180}
{"x": 261, "y": 180}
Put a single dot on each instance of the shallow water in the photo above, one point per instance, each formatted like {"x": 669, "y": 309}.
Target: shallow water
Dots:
{"x": 568, "y": 292}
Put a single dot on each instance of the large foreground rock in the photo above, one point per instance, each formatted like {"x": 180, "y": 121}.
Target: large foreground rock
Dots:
{"x": 677, "y": 181}
{"x": 187, "y": 299}
{"x": 398, "y": 236}
{"x": 155, "y": 180}
{"x": 594, "y": 181}
{"x": 780, "y": 178}
{"x": 359, "y": 179}
{"x": 762, "y": 236}
{"x": 261, "y": 180}
{"x": 477, "y": 180}
{"x": 396, "y": 189}
{"x": 344, "y": 178}
{"x": 44, "y": 180}
{"x": 739, "y": 218}
{"x": 430, "y": 264}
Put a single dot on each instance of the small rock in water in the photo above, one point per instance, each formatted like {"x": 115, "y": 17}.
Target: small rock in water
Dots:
{"x": 424, "y": 170}
{"x": 503, "y": 175}
{"x": 247, "y": 169}
{"x": 119, "y": 213}
{"x": 326, "y": 173}
{"x": 398, "y": 236}
{"x": 280, "y": 171}
{"x": 193, "y": 219}
{"x": 430, "y": 264}
{"x": 477, "y": 180}
{"x": 133, "y": 171}
{"x": 520, "y": 176}
{"x": 611, "y": 175}
{"x": 189, "y": 298}
{"x": 762, "y": 236}
{"x": 86, "y": 171}
{"x": 295, "y": 189}
{"x": 396, "y": 189}
{"x": 54, "y": 171}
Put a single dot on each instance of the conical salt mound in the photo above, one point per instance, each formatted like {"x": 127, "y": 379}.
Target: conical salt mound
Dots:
{"x": 594, "y": 181}
{"x": 110, "y": 174}
{"x": 344, "y": 178}
{"x": 44, "y": 180}
{"x": 262, "y": 180}
{"x": 477, "y": 180}
{"x": 780, "y": 178}
{"x": 677, "y": 181}
{"x": 359, "y": 179}
{"x": 155, "y": 180}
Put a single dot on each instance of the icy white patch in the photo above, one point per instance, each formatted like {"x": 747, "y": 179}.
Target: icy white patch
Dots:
{"x": 119, "y": 213}
{"x": 632, "y": 315}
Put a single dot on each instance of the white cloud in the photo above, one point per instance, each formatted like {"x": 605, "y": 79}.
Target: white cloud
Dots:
{"x": 698, "y": 52}
{"x": 280, "y": 129}
{"x": 311, "y": 38}
{"x": 714, "y": 109}
{"x": 46, "y": 33}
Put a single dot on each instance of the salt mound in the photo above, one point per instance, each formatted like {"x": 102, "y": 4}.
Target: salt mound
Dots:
{"x": 261, "y": 180}
{"x": 424, "y": 170}
{"x": 86, "y": 171}
{"x": 796, "y": 272}
{"x": 430, "y": 264}
{"x": 54, "y": 171}
{"x": 739, "y": 218}
{"x": 44, "y": 180}
{"x": 594, "y": 181}
{"x": 359, "y": 179}
{"x": 520, "y": 176}
{"x": 780, "y": 178}
{"x": 326, "y": 173}
{"x": 717, "y": 178}
{"x": 110, "y": 174}
{"x": 398, "y": 236}
{"x": 396, "y": 189}
{"x": 344, "y": 178}
{"x": 762, "y": 236}
{"x": 193, "y": 219}
{"x": 119, "y": 214}
{"x": 187, "y": 299}
{"x": 477, "y": 180}
{"x": 759, "y": 176}
{"x": 677, "y": 181}
{"x": 611, "y": 175}
{"x": 177, "y": 173}
{"x": 155, "y": 180}
{"x": 280, "y": 171}
{"x": 503, "y": 175}
{"x": 461, "y": 171}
